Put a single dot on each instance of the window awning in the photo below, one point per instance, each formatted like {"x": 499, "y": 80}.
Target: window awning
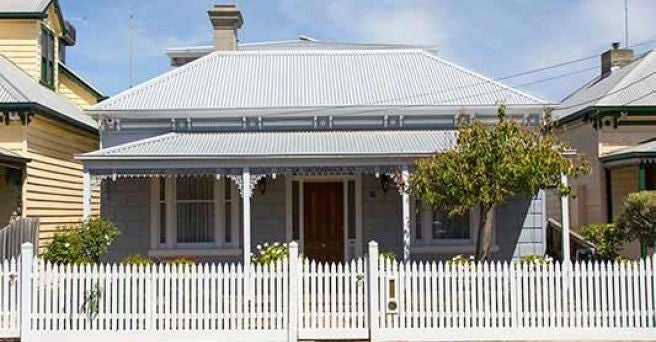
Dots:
{"x": 230, "y": 150}
{"x": 641, "y": 153}
{"x": 11, "y": 159}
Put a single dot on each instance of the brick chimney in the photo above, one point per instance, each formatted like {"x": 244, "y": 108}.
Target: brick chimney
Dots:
{"x": 615, "y": 58}
{"x": 226, "y": 20}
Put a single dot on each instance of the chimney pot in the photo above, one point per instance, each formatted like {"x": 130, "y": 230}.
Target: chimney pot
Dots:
{"x": 615, "y": 58}
{"x": 226, "y": 20}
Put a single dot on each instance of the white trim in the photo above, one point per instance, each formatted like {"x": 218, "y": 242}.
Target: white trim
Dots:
{"x": 246, "y": 215}
{"x": 301, "y": 216}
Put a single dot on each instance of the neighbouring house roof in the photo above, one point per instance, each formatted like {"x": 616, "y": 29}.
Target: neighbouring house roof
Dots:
{"x": 631, "y": 86}
{"x": 12, "y": 157}
{"x": 333, "y": 78}
{"x": 275, "y": 145}
{"x": 24, "y": 6}
{"x": 82, "y": 82}
{"x": 645, "y": 151}
{"x": 18, "y": 90}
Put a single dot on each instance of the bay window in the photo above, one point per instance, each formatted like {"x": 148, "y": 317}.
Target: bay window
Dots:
{"x": 194, "y": 213}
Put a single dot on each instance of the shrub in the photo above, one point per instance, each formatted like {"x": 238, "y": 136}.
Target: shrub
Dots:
{"x": 639, "y": 218}
{"x": 85, "y": 242}
{"x": 269, "y": 253}
{"x": 388, "y": 255}
{"x": 137, "y": 259}
{"x": 607, "y": 239}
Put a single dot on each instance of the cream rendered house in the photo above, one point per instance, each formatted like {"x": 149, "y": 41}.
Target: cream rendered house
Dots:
{"x": 612, "y": 120}
{"x": 43, "y": 126}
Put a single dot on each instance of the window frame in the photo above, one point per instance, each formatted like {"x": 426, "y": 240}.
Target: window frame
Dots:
{"x": 48, "y": 56}
{"x": 428, "y": 245}
{"x": 171, "y": 246}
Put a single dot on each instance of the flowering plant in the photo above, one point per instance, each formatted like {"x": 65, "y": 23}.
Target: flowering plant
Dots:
{"x": 85, "y": 242}
{"x": 269, "y": 253}
{"x": 534, "y": 259}
{"x": 461, "y": 260}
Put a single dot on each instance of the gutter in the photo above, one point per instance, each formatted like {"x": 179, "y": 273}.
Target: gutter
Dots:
{"x": 48, "y": 111}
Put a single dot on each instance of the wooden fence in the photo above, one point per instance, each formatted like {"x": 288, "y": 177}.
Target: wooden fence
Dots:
{"x": 292, "y": 299}
{"x": 16, "y": 233}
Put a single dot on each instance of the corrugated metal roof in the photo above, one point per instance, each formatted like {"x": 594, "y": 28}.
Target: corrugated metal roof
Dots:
{"x": 284, "y": 144}
{"x": 24, "y": 6}
{"x": 315, "y": 78}
{"x": 17, "y": 87}
{"x": 631, "y": 85}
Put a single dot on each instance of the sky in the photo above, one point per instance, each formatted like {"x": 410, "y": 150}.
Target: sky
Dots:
{"x": 494, "y": 37}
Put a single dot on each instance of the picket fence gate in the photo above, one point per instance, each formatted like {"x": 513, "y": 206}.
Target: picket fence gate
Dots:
{"x": 369, "y": 298}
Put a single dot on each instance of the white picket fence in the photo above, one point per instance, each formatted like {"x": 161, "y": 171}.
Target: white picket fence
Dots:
{"x": 501, "y": 301}
{"x": 293, "y": 299}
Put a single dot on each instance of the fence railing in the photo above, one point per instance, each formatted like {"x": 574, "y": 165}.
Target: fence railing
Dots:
{"x": 292, "y": 299}
{"x": 15, "y": 234}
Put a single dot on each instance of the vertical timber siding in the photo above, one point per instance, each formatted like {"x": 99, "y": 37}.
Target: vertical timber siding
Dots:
{"x": 54, "y": 177}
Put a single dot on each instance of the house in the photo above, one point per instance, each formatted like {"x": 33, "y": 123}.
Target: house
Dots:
{"x": 611, "y": 119}
{"x": 243, "y": 144}
{"x": 43, "y": 126}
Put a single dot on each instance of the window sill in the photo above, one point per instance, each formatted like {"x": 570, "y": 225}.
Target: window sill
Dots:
{"x": 447, "y": 249}
{"x": 194, "y": 252}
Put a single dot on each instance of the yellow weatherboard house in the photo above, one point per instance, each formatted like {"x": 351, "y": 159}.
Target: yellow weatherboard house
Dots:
{"x": 42, "y": 125}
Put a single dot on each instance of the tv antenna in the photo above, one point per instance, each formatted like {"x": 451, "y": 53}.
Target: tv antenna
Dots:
{"x": 626, "y": 23}
{"x": 131, "y": 52}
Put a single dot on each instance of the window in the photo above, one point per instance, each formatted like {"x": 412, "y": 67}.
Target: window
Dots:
{"x": 194, "y": 209}
{"x": 435, "y": 227}
{"x": 445, "y": 227}
{"x": 194, "y": 212}
{"x": 47, "y": 57}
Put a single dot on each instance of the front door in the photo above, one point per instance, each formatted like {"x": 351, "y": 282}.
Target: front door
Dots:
{"x": 323, "y": 221}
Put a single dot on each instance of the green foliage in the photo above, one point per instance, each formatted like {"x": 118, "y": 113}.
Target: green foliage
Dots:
{"x": 137, "y": 259}
{"x": 639, "y": 218}
{"x": 461, "y": 260}
{"x": 269, "y": 253}
{"x": 607, "y": 238}
{"x": 534, "y": 259}
{"x": 491, "y": 164}
{"x": 388, "y": 255}
{"x": 83, "y": 243}
{"x": 182, "y": 261}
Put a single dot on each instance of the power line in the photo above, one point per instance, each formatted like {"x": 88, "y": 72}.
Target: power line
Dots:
{"x": 580, "y": 71}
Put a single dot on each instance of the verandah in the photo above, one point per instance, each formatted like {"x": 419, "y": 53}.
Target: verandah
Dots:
{"x": 373, "y": 297}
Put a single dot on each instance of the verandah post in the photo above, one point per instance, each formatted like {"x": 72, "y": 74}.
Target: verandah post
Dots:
{"x": 374, "y": 301}
{"x": 294, "y": 277}
{"x": 27, "y": 260}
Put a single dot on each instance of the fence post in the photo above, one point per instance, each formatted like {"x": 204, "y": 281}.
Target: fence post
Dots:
{"x": 294, "y": 276}
{"x": 27, "y": 260}
{"x": 374, "y": 302}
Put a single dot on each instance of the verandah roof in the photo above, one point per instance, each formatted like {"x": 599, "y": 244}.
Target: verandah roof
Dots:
{"x": 195, "y": 150}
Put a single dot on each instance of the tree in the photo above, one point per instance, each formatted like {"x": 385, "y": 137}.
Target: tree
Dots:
{"x": 490, "y": 164}
{"x": 639, "y": 218}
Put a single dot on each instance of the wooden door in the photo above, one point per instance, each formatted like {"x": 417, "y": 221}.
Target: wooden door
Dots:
{"x": 323, "y": 221}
